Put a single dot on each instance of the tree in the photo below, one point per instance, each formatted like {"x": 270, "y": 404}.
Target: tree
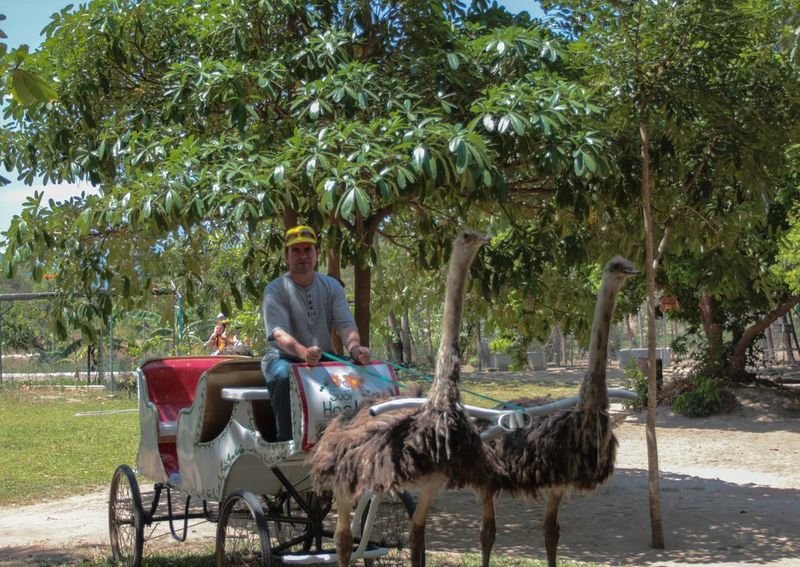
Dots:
{"x": 697, "y": 89}
{"x": 223, "y": 124}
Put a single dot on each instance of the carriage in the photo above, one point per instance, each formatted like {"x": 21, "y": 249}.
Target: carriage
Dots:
{"x": 208, "y": 444}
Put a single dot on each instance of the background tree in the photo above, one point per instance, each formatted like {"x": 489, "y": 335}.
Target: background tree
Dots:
{"x": 700, "y": 104}
{"x": 214, "y": 127}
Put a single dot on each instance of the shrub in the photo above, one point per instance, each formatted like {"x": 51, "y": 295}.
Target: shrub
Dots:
{"x": 702, "y": 400}
{"x": 636, "y": 381}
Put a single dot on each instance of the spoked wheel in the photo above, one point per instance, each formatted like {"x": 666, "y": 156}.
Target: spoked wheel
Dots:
{"x": 242, "y": 533}
{"x": 286, "y": 531}
{"x": 390, "y": 529}
{"x": 292, "y": 528}
{"x": 126, "y": 518}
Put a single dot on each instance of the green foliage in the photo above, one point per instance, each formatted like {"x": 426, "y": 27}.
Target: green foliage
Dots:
{"x": 702, "y": 400}
{"x": 500, "y": 344}
{"x": 636, "y": 381}
{"x": 349, "y": 120}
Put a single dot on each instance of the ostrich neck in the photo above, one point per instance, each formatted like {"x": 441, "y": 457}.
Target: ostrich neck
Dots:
{"x": 444, "y": 391}
{"x": 594, "y": 392}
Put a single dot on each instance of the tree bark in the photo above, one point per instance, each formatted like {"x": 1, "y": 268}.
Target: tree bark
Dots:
{"x": 656, "y": 522}
{"x": 365, "y": 231}
{"x": 738, "y": 358}
{"x": 395, "y": 342}
{"x": 713, "y": 329}
{"x": 793, "y": 331}
{"x": 335, "y": 271}
{"x": 478, "y": 344}
{"x": 405, "y": 328}
{"x": 770, "y": 345}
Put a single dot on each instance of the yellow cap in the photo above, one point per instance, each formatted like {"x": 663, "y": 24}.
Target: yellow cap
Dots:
{"x": 300, "y": 235}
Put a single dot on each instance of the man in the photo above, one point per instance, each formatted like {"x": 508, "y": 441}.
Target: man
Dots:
{"x": 300, "y": 310}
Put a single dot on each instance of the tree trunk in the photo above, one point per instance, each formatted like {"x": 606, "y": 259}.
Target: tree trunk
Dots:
{"x": 629, "y": 328}
{"x": 793, "y": 330}
{"x": 395, "y": 342}
{"x": 365, "y": 230}
{"x": 335, "y": 271}
{"x": 429, "y": 334}
{"x": 787, "y": 339}
{"x": 738, "y": 358}
{"x": 362, "y": 276}
{"x": 656, "y": 522}
{"x": 405, "y": 328}
{"x": 479, "y": 344}
{"x": 713, "y": 329}
{"x": 770, "y": 345}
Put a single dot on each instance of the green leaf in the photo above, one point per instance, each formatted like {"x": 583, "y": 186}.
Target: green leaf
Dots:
{"x": 347, "y": 205}
{"x": 311, "y": 167}
{"x": 277, "y": 175}
{"x": 362, "y": 202}
{"x": 452, "y": 59}
{"x": 30, "y": 89}
{"x": 578, "y": 163}
{"x": 147, "y": 208}
{"x": 503, "y": 124}
{"x": 314, "y": 110}
{"x": 517, "y": 123}
{"x": 462, "y": 156}
{"x": 419, "y": 157}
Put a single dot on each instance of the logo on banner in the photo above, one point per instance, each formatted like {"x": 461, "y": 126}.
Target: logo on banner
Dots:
{"x": 329, "y": 390}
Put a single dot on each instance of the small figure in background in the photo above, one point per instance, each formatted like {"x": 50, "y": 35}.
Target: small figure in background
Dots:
{"x": 218, "y": 339}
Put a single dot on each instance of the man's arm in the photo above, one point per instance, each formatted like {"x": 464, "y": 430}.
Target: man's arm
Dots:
{"x": 352, "y": 341}
{"x": 289, "y": 344}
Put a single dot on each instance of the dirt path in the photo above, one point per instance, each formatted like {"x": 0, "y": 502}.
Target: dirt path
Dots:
{"x": 730, "y": 489}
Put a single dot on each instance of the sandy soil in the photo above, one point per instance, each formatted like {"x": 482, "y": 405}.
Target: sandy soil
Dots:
{"x": 729, "y": 485}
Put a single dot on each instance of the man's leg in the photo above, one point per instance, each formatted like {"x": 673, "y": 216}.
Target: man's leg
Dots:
{"x": 276, "y": 373}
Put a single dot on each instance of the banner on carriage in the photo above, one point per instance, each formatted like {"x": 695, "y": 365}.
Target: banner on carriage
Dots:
{"x": 332, "y": 388}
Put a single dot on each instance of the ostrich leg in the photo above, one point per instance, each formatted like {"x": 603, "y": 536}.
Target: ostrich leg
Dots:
{"x": 416, "y": 539}
{"x": 551, "y": 527}
{"x": 343, "y": 536}
{"x": 488, "y": 527}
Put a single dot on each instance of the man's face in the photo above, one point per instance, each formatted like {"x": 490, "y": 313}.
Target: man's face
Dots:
{"x": 301, "y": 258}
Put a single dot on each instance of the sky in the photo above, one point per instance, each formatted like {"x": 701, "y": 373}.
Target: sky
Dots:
{"x": 24, "y": 22}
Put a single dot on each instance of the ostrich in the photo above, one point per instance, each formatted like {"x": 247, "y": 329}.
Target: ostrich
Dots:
{"x": 570, "y": 450}
{"x": 424, "y": 447}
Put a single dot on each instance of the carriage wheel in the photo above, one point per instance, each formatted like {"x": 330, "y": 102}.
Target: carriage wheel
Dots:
{"x": 390, "y": 529}
{"x": 242, "y": 533}
{"x": 126, "y": 518}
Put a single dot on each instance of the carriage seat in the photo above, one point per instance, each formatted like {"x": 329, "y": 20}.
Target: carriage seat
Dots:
{"x": 234, "y": 376}
{"x": 171, "y": 385}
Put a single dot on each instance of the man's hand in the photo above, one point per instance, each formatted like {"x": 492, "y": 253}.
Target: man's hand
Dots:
{"x": 313, "y": 355}
{"x": 360, "y": 354}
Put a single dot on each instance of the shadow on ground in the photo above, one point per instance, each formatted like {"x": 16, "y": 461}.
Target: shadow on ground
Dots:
{"x": 707, "y": 521}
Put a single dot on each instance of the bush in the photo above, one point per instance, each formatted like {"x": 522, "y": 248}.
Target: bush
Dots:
{"x": 636, "y": 381}
{"x": 702, "y": 400}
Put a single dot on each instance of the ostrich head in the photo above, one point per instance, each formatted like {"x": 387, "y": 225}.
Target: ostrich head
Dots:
{"x": 618, "y": 270}
{"x": 465, "y": 246}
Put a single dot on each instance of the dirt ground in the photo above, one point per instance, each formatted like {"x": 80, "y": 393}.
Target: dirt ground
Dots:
{"x": 729, "y": 485}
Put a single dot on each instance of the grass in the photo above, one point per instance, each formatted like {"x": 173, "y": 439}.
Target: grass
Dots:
{"x": 48, "y": 450}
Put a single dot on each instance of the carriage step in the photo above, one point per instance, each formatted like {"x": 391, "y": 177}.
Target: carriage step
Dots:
{"x": 316, "y": 558}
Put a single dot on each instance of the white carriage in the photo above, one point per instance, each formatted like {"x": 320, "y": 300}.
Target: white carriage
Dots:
{"x": 208, "y": 434}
